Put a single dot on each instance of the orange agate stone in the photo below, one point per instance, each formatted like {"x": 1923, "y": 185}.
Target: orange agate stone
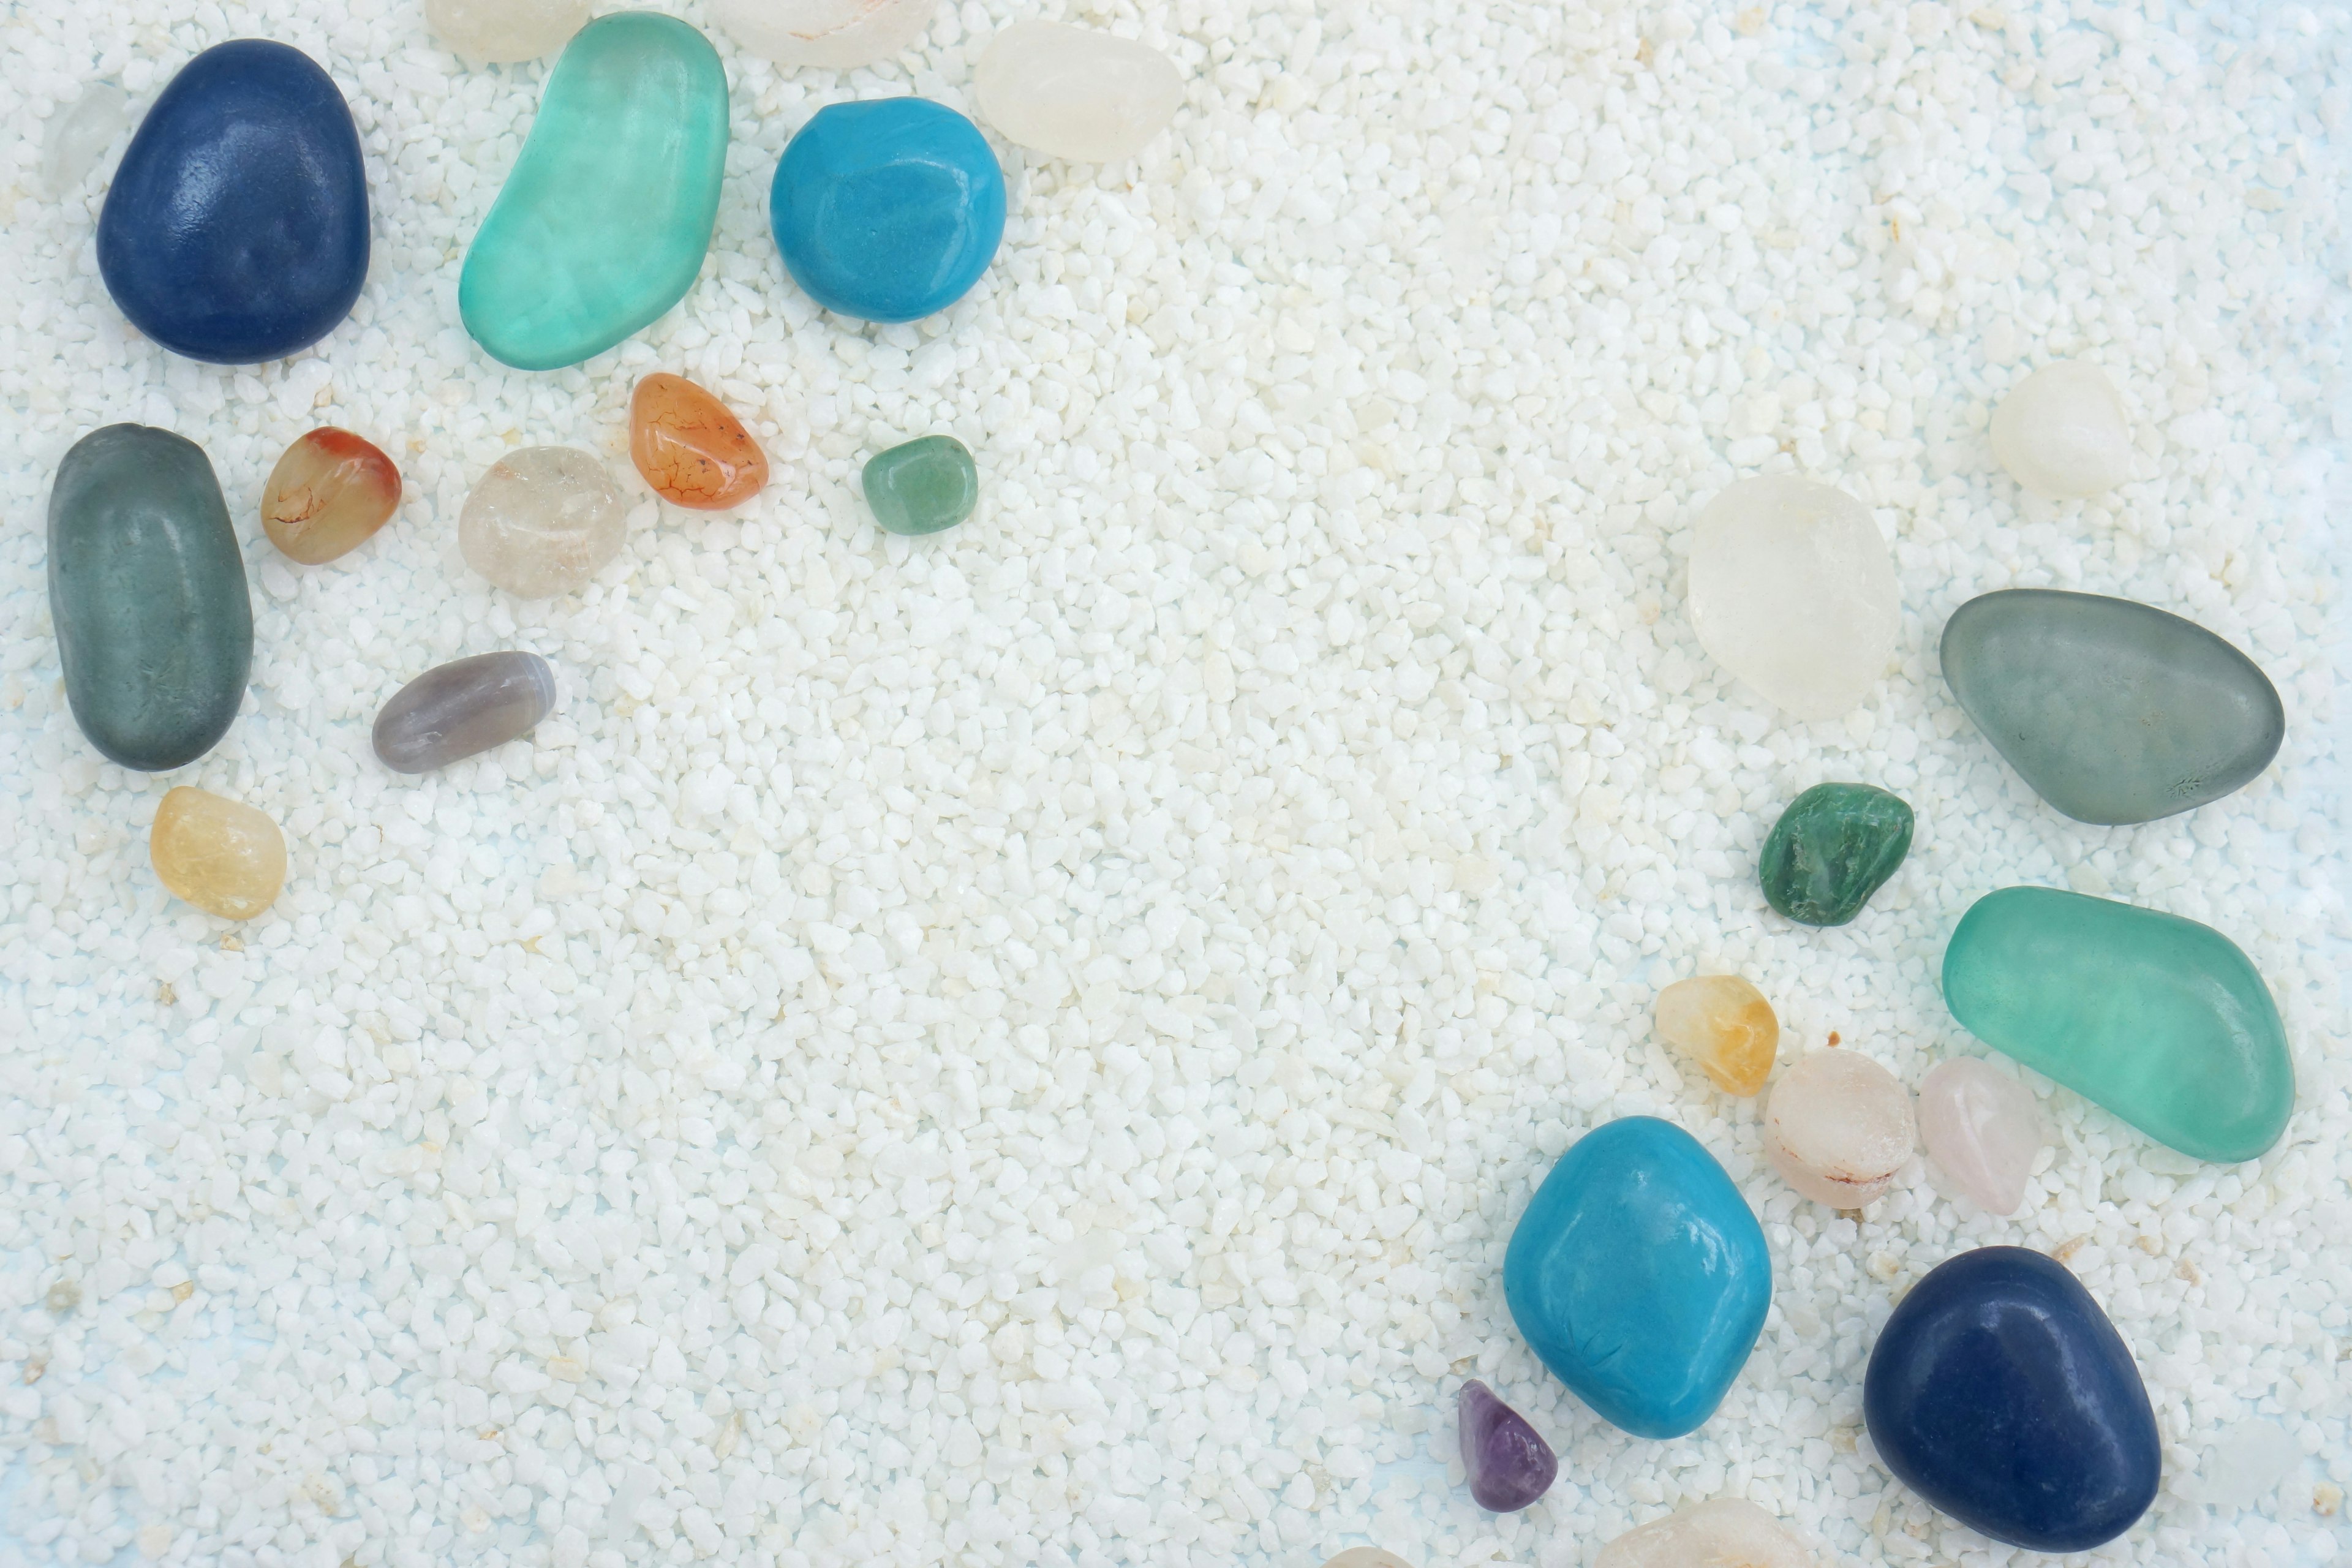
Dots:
{"x": 328, "y": 495}
{"x": 690, "y": 449}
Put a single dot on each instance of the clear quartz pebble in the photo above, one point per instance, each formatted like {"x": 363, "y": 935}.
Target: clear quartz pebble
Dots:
{"x": 1076, "y": 92}
{"x": 543, "y": 520}
{"x": 465, "y": 706}
{"x": 842, "y": 34}
{"x": 1982, "y": 1129}
{"x": 78, "y": 132}
{"x": 1839, "y": 1128}
{"x": 1793, "y": 591}
{"x": 495, "y": 31}
{"x": 1725, "y": 1533}
{"x": 2063, "y": 432}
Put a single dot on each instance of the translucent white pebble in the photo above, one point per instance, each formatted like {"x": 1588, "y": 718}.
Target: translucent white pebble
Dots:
{"x": 1838, "y": 1128}
{"x": 1982, "y": 1129}
{"x": 497, "y": 30}
{"x": 836, "y": 33}
{"x": 78, "y": 132}
{"x": 2062, "y": 433}
{"x": 1726, "y": 1532}
{"x": 1792, "y": 591}
{"x": 1075, "y": 93}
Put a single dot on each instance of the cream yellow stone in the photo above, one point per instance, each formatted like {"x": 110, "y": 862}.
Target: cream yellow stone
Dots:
{"x": 1723, "y": 1024}
{"x": 1367, "y": 1557}
{"x": 220, "y": 855}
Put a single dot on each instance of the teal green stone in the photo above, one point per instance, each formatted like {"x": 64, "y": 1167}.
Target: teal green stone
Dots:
{"x": 2115, "y": 712}
{"x": 923, "y": 486}
{"x": 2163, "y": 1021}
{"x": 147, "y": 592}
{"x": 1834, "y": 847}
{"x": 606, "y": 217}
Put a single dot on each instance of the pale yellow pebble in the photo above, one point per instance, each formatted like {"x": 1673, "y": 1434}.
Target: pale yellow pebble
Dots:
{"x": 220, "y": 855}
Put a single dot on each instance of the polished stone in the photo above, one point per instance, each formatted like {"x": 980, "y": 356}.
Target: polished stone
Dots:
{"x": 1722, "y": 1023}
{"x": 2062, "y": 432}
{"x": 1076, "y": 92}
{"x": 887, "y": 210}
{"x": 1999, "y": 1391}
{"x": 80, "y": 132}
{"x": 1639, "y": 1276}
{"x": 1506, "y": 1460}
{"x": 690, "y": 447}
{"x": 2162, "y": 1020}
{"x": 499, "y": 31}
{"x": 1835, "y": 845}
{"x": 1983, "y": 1131}
{"x": 1723, "y": 1532}
{"x": 604, "y": 221}
{"x": 1793, "y": 591}
{"x": 220, "y": 855}
{"x": 329, "y": 494}
{"x": 147, "y": 592}
{"x": 922, "y": 486}
{"x": 542, "y": 521}
{"x": 237, "y": 227}
{"x": 465, "y": 706}
{"x": 1839, "y": 1128}
{"x": 2113, "y": 710}
{"x": 840, "y": 34}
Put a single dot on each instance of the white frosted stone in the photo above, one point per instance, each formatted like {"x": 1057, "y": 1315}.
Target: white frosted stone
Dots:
{"x": 497, "y": 30}
{"x": 1982, "y": 1129}
{"x": 1075, "y": 93}
{"x": 78, "y": 132}
{"x": 2062, "y": 433}
{"x": 837, "y": 33}
{"x": 1839, "y": 1129}
{"x": 541, "y": 520}
{"x": 1792, "y": 591}
{"x": 1725, "y": 1533}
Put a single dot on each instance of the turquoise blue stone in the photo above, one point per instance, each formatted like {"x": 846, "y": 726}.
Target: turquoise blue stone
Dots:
{"x": 2000, "y": 1393}
{"x": 147, "y": 594}
{"x": 1639, "y": 1276}
{"x": 237, "y": 227}
{"x": 888, "y": 210}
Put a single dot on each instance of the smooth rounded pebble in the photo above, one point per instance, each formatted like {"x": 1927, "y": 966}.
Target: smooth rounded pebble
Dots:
{"x": 1076, "y": 92}
{"x": 1982, "y": 1130}
{"x": 543, "y": 520}
{"x": 1504, "y": 1459}
{"x": 329, "y": 494}
{"x": 2062, "y": 433}
{"x": 1723, "y": 1532}
{"x": 1839, "y": 1128}
{"x": 690, "y": 447}
{"x": 1725, "y": 1025}
{"x": 465, "y": 706}
{"x": 499, "y": 31}
{"x": 842, "y": 34}
{"x": 220, "y": 855}
{"x": 78, "y": 132}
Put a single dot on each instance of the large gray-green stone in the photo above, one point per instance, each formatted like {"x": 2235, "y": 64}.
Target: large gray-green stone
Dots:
{"x": 2115, "y": 712}
{"x": 147, "y": 592}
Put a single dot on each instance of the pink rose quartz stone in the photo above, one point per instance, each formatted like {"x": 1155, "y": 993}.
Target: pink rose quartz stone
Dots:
{"x": 1982, "y": 1129}
{"x": 1838, "y": 1128}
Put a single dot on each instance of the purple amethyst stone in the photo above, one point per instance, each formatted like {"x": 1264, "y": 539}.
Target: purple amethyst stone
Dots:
{"x": 1509, "y": 1463}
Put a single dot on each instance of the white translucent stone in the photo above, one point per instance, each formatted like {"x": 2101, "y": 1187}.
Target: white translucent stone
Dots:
{"x": 495, "y": 30}
{"x": 1839, "y": 1129}
{"x": 2062, "y": 433}
{"x": 836, "y": 33}
{"x": 541, "y": 520}
{"x": 1792, "y": 591}
{"x": 1075, "y": 93}
{"x": 1982, "y": 1129}
{"x": 2245, "y": 1465}
{"x": 78, "y": 132}
{"x": 1726, "y": 1532}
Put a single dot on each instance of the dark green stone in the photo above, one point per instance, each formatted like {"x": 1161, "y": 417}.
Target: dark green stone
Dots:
{"x": 147, "y": 592}
{"x": 922, "y": 486}
{"x": 1834, "y": 847}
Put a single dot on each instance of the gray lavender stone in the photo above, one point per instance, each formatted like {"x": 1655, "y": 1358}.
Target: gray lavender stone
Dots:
{"x": 465, "y": 706}
{"x": 1507, "y": 1462}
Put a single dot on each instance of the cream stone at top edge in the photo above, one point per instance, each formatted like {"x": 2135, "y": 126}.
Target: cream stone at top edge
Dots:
{"x": 2062, "y": 433}
{"x": 1075, "y": 93}
{"x": 842, "y": 34}
{"x": 502, "y": 31}
{"x": 1722, "y": 1530}
{"x": 1793, "y": 590}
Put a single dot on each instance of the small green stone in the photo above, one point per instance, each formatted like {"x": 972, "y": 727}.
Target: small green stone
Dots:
{"x": 923, "y": 486}
{"x": 1834, "y": 847}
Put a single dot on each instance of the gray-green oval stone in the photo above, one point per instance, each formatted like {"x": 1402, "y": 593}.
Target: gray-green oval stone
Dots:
{"x": 2115, "y": 712}
{"x": 1834, "y": 847}
{"x": 2162, "y": 1020}
{"x": 147, "y": 592}
{"x": 922, "y": 486}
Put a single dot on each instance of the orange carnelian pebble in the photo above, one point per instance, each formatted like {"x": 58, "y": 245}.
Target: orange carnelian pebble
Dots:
{"x": 689, "y": 448}
{"x": 328, "y": 495}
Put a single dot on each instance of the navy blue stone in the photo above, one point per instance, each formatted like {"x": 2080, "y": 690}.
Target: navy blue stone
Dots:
{"x": 2000, "y": 1393}
{"x": 237, "y": 228}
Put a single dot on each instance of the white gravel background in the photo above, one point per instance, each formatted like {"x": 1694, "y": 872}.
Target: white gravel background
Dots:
{"x": 1027, "y": 1048}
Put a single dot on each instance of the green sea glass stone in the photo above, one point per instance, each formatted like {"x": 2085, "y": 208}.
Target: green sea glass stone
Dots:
{"x": 923, "y": 486}
{"x": 606, "y": 217}
{"x": 147, "y": 592}
{"x": 2115, "y": 712}
{"x": 2163, "y": 1021}
{"x": 1834, "y": 847}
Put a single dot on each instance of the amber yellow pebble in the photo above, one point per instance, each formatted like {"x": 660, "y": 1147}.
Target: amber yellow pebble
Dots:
{"x": 328, "y": 495}
{"x": 222, "y": 856}
{"x": 690, "y": 446}
{"x": 1724, "y": 1024}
